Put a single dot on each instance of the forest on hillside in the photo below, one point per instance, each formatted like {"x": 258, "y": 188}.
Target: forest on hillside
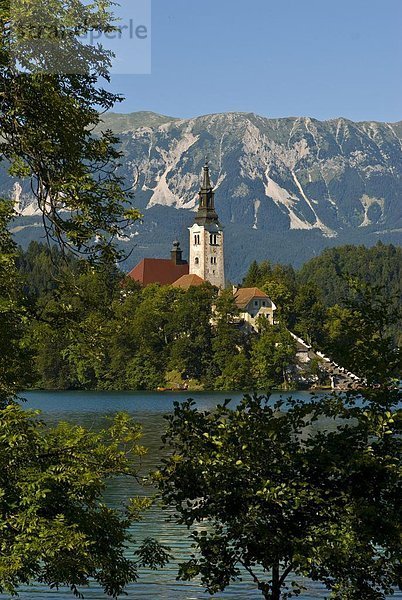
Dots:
{"x": 86, "y": 329}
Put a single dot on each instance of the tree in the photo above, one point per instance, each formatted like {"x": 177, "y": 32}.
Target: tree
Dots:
{"x": 236, "y": 375}
{"x": 361, "y": 333}
{"x": 273, "y": 351}
{"x": 253, "y": 275}
{"x": 42, "y": 269}
{"x": 379, "y": 266}
{"x": 282, "y": 296}
{"x": 191, "y": 349}
{"x": 55, "y": 528}
{"x": 310, "y": 314}
{"x": 71, "y": 327}
{"x": 227, "y": 339}
{"x": 14, "y": 359}
{"x": 50, "y": 100}
{"x": 268, "y": 490}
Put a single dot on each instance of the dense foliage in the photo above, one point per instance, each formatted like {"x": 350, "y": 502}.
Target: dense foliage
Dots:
{"x": 13, "y": 363}
{"x": 51, "y": 99}
{"x": 55, "y": 527}
{"x": 88, "y": 329}
{"x": 273, "y": 489}
{"x": 269, "y": 490}
{"x": 326, "y": 301}
{"x": 379, "y": 266}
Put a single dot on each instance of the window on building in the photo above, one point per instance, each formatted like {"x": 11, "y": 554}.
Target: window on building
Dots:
{"x": 197, "y": 261}
{"x": 213, "y": 260}
{"x": 263, "y": 303}
{"x": 213, "y": 239}
{"x": 255, "y": 302}
{"x": 197, "y": 241}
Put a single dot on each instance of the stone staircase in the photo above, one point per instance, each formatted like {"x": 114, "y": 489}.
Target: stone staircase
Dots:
{"x": 341, "y": 378}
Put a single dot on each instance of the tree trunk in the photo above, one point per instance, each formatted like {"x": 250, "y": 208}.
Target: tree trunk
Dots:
{"x": 276, "y": 588}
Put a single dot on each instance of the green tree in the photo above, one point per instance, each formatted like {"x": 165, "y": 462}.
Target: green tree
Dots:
{"x": 13, "y": 357}
{"x": 143, "y": 374}
{"x": 282, "y": 296}
{"x": 55, "y": 527}
{"x": 152, "y": 326}
{"x": 72, "y": 327}
{"x": 361, "y": 334}
{"x": 122, "y": 343}
{"x": 379, "y": 266}
{"x": 42, "y": 269}
{"x": 50, "y": 103}
{"x": 253, "y": 276}
{"x": 191, "y": 319}
{"x": 227, "y": 338}
{"x": 273, "y": 351}
{"x": 310, "y": 314}
{"x": 236, "y": 375}
{"x": 269, "y": 490}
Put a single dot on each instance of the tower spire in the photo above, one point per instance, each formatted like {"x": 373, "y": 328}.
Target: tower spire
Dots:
{"x": 206, "y": 181}
{"x": 206, "y": 209}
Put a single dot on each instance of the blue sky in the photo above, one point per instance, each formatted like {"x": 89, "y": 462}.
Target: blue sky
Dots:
{"x": 318, "y": 58}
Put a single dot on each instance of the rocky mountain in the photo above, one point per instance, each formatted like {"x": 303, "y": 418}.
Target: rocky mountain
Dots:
{"x": 285, "y": 188}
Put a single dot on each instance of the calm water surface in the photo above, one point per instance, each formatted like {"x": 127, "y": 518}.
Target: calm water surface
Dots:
{"x": 91, "y": 410}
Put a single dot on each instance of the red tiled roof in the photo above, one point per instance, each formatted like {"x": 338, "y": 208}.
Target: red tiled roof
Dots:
{"x": 187, "y": 281}
{"x": 158, "y": 270}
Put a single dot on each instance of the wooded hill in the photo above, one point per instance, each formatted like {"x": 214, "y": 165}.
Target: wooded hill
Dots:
{"x": 85, "y": 331}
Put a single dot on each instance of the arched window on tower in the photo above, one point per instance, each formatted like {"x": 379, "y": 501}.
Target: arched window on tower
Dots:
{"x": 197, "y": 239}
{"x": 213, "y": 239}
{"x": 197, "y": 260}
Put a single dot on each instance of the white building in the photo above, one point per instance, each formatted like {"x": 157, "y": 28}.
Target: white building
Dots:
{"x": 254, "y": 304}
{"x": 207, "y": 258}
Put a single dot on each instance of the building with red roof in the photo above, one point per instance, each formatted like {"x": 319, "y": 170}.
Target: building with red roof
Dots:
{"x": 187, "y": 281}
{"x": 161, "y": 270}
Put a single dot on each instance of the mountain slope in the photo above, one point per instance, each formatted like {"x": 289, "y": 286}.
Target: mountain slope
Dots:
{"x": 295, "y": 180}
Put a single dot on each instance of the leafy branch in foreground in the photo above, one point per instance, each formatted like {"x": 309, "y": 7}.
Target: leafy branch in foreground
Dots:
{"x": 14, "y": 366}
{"x": 49, "y": 108}
{"x": 270, "y": 490}
{"x": 55, "y": 527}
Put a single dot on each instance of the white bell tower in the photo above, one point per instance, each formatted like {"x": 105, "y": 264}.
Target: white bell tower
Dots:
{"x": 206, "y": 238}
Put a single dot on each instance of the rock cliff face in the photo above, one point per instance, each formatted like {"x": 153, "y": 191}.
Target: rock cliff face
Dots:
{"x": 285, "y": 188}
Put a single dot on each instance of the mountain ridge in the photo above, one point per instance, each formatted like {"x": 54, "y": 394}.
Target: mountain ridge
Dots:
{"x": 332, "y": 180}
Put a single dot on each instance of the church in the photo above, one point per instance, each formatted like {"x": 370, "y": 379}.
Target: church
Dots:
{"x": 206, "y": 261}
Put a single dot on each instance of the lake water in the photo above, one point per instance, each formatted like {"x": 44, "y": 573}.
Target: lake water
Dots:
{"x": 91, "y": 410}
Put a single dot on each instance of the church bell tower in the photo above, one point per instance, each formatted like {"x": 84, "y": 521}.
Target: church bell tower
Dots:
{"x": 206, "y": 237}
